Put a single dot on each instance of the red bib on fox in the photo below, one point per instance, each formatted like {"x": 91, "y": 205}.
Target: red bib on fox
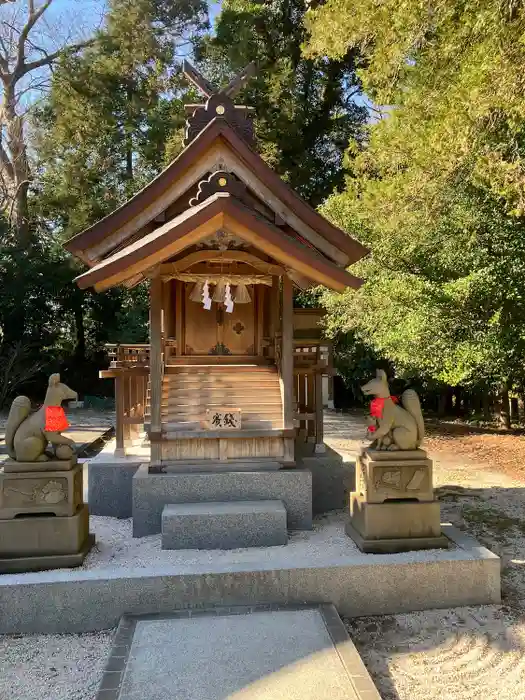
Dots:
{"x": 56, "y": 420}
{"x": 376, "y": 409}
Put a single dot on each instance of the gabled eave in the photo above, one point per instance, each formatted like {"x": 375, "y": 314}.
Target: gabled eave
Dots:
{"x": 219, "y": 211}
{"x": 218, "y": 129}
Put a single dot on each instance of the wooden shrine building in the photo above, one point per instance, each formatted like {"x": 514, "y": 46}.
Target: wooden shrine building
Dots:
{"x": 223, "y": 241}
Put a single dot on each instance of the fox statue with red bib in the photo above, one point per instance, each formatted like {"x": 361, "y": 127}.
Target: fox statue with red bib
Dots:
{"x": 28, "y": 435}
{"x": 393, "y": 426}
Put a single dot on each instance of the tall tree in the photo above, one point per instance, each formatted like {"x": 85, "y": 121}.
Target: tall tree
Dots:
{"x": 306, "y": 110}
{"x": 439, "y": 193}
{"x": 26, "y": 51}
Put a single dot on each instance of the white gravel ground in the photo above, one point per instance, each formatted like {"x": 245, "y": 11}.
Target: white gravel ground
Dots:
{"x": 116, "y": 549}
{"x": 52, "y": 667}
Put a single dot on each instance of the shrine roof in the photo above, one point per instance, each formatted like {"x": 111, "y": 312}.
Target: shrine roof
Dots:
{"x": 128, "y": 221}
{"x": 221, "y": 211}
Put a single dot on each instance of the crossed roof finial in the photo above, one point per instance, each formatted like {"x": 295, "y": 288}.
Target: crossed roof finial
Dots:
{"x": 208, "y": 89}
{"x": 219, "y": 103}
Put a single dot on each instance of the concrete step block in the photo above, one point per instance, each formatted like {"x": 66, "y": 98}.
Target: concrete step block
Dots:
{"x": 224, "y": 525}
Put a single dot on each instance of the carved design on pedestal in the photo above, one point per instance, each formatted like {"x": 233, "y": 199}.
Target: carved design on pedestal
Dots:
{"x": 238, "y": 328}
{"x": 58, "y": 493}
{"x": 417, "y": 479}
{"x": 18, "y": 494}
{"x": 388, "y": 478}
{"x": 382, "y": 476}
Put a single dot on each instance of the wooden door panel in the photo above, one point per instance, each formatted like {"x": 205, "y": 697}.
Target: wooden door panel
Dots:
{"x": 216, "y": 332}
{"x": 201, "y": 329}
{"x": 239, "y": 329}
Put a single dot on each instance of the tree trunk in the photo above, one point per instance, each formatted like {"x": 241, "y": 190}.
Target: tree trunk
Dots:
{"x": 80, "y": 347}
{"x": 486, "y": 406}
{"x": 128, "y": 129}
{"x": 514, "y": 410}
{"x": 503, "y": 408}
{"x": 449, "y": 404}
{"x": 16, "y": 168}
{"x": 458, "y": 394}
{"x": 442, "y": 401}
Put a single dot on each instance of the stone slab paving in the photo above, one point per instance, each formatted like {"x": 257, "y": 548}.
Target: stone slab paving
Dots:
{"x": 257, "y": 653}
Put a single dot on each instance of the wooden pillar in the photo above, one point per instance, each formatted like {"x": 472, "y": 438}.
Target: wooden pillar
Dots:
{"x": 319, "y": 433}
{"x": 318, "y": 398}
{"x": 134, "y": 412}
{"x": 119, "y": 415}
{"x": 127, "y": 410}
{"x": 258, "y": 292}
{"x": 310, "y": 398}
{"x": 286, "y": 374}
{"x": 275, "y": 312}
{"x": 179, "y": 291}
{"x": 302, "y": 404}
{"x": 167, "y": 318}
{"x": 156, "y": 369}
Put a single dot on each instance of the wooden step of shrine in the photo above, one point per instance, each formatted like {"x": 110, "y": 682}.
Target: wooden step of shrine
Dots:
{"x": 200, "y": 402}
{"x": 220, "y": 398}
{"x": 223, "y": 382}
{"x": 171, "y": 370}
{"x": 216, "y": 361}
{"x": 189, "y": 391}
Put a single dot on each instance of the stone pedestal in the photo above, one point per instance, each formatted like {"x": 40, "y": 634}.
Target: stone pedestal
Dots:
{"x": 43, "y": 492}
{"x": 393, "y": 507}
{"x": 55, "y": 465}
{"x": 44, "y": 523}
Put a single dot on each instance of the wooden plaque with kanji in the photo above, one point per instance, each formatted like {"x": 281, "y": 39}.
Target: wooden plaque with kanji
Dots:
{"x": 223, "y": 418}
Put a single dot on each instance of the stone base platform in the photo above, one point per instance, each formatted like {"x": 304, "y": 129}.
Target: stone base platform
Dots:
{"x": 151, "y": 492}
{"x": 110, "y": 478}
{"x": 17, "y": 565}
{"x": 393, "y": 545}
{"x": 44, "y": 535}
{"x": 253, "y": 653}
{"x": 320, "y": 566}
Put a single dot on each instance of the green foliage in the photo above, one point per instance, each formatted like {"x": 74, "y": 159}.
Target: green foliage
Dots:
{"x": 306, "y": 111}
{"x": 439, "y": 193}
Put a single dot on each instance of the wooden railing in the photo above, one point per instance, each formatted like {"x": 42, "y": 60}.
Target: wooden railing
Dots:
{"x": 128, "y": 354}
{"x": 129, "y": 367}
{"x": 310, "y": 363}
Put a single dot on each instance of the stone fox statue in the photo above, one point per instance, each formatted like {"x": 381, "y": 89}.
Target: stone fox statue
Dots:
{"x": 395, "y": 427}
{"x": 28, "y": 434}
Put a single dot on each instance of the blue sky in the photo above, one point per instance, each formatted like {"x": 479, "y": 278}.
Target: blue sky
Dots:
{"x": 89, "y": 12}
